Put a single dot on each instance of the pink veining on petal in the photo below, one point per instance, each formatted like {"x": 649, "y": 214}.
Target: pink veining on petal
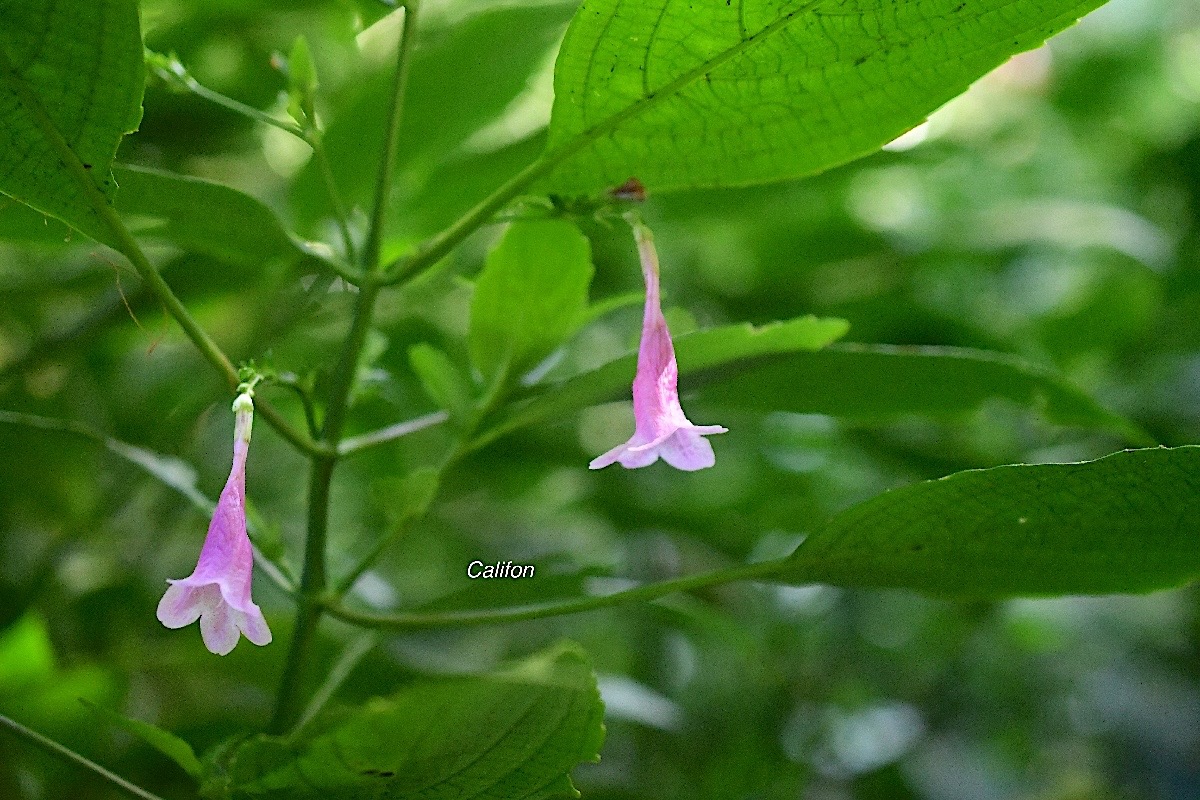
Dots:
{"x": 660, "y": 427}
{"x": 218, "y": 590}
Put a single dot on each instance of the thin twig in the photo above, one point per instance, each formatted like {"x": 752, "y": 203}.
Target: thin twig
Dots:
{"x": 354, "y": 652}
{"x": 353, "y": 444}
{"x": 67, "y": 754}
{"x": 497, "y": 616}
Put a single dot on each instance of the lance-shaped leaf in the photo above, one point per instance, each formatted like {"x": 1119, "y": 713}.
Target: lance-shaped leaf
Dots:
{"x": 163, "y": 741}
{"x": 1124, "y": 523}
{"x": 71, "y": 81}
{"x": 729, "y": 93}
{"x": 877, "y": 383}
{"x": 203, "y": 217}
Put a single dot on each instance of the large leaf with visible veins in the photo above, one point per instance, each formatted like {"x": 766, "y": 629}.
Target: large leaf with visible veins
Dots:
{"x": 704, "y": 93}
{"x": 71, "y": 80}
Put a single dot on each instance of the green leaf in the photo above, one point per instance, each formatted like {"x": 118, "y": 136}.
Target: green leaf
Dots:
{"x": 302, "y": 83}
{"x": 408, "y": 497}
{"x": 531, "y": 295}
{"x": 695, "y": 352}
{"x": 164, "y": 742}
{"x": 71, "y": 80}
{"x": 1124, "y": 523}
{"x": 442, "y": 380}
{"x": 878, "y": 383}
{"x": 202, "y": 216}
{"x": 26, "y": 655}
{"x": 684, "y": 94}
{"x": 513, "y": 734}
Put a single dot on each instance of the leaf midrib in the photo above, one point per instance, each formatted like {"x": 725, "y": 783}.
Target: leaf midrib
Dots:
{"x": 561, "y": 153}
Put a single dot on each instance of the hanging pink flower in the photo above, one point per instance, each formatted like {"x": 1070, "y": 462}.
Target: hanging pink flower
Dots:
{"x": 218, "y": 590}
{"x": 660, "y": 427}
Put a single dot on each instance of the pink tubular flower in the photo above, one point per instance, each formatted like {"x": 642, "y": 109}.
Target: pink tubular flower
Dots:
{"x": 660, "y": 428}
{"x": 218, "y": 590}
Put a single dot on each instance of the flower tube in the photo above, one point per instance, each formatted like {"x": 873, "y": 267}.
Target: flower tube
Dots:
{"x": 218, "y": 591}
{"x": 660, "y": 427}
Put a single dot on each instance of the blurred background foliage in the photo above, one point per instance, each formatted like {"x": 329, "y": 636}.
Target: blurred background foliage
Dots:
{"x": 1052, "y": 212}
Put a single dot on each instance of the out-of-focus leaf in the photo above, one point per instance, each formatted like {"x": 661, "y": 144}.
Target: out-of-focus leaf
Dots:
{"x": 514, "y": 734}
{"x": 302, "y": 82}
{"x": 685, "y": 94}
{"x": 695, "y": 352}
{"x": 202, "y": 216}
{"x": 26, "y": 655}
{"x": 878, "y": 383}
{"x": 441, "y": 379}
{"x": 1124, "y": 523}
{"x": 71, "y": 81}
{"x": 461, "y": 79}
{"x": 407, "y": 497}
{"x": 164, "y": 742}
{"x": 531, "y": 295}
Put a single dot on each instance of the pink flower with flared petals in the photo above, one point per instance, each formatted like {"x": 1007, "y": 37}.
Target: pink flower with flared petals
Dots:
{"x": 660, "y": 427}
{"x": 218, "y": 591}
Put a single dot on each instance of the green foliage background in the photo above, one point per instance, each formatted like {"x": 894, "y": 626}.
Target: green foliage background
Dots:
{"x": 1052, "y": 213}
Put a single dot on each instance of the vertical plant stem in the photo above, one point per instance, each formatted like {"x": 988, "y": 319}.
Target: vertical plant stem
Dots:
{"x": 314, "y": 581}
{"x": 308, "y": 600}
{"x": 56, "y": 749}
{"x": 387, "y": 165}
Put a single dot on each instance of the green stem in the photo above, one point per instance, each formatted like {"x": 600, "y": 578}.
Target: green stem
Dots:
{"x": 198, "y": 89}
{"x": 495, "y": 393}
{"x": 176, "y": 75}
{"x": 305, "y": 395}
{"x": 150, "y": 275}
{"x": 463, "y": 619}
{"x": 354, "y": 444}
{"x": 56, "y": 749}
{"x": 308, "y": 607}
{"x": 435, "y": 248}
{"x": 391, "y": 145}
{"x": 314, "y": 579}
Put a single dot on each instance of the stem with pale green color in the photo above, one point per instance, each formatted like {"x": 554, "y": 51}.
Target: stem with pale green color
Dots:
{"x": 316, "y": 142}
{"x": 354, "y": 444}
{"x": 314, "y": 579}
{"x": 639, "y": 594}
{"x": 436, "y": 247}
{"x": 55, "y": 749}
